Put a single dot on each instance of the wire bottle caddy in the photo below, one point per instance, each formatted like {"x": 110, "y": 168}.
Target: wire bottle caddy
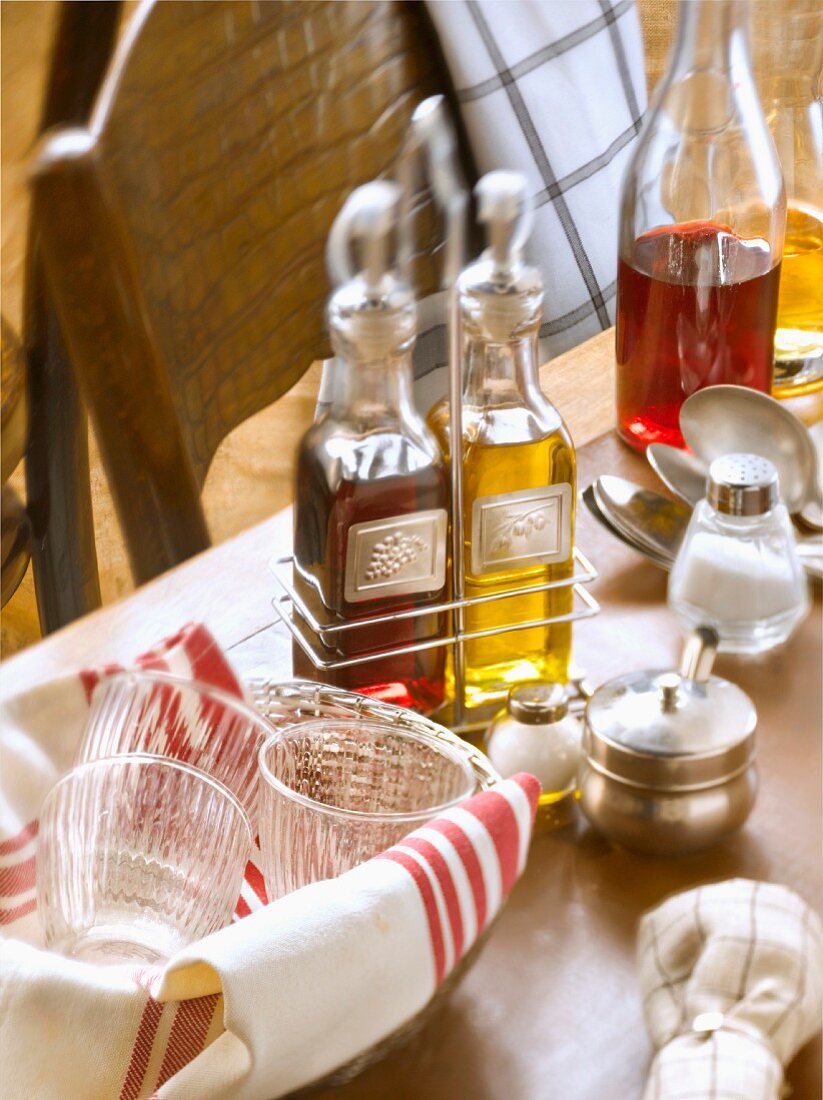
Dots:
{"x": 351, "y": 555}
{"x": 317, "y": 635}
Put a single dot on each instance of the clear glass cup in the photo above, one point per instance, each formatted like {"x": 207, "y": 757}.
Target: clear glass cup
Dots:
{"x": 144, "y": 711}
{"x": 338, "y": 791}
{"x": 138, "y": 855}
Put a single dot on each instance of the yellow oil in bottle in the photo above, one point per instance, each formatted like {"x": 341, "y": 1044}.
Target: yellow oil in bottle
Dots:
{"x": 498, "y": 463}
{"x": 518, "y": 465}
{"x": 798, "y": 342}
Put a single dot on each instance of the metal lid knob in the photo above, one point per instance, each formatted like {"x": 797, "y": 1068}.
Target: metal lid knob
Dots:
{"x": 538, "y": 704}
{"x": 742, "y": 485}
{"x": 669, "y": 686}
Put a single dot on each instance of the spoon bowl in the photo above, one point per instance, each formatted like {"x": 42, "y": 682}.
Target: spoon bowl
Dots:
{"x": 648, "y": 521}
{"x": 721, "y": 420}
{"x": 679, "y": 471}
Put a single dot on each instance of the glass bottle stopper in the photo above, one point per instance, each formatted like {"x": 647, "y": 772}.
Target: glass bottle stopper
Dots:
{"x": 505, "y": 206}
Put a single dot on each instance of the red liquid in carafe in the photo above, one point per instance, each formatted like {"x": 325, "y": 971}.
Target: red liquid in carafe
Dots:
{"x": 415, "y": 679}
{"x": 696, "y": 307}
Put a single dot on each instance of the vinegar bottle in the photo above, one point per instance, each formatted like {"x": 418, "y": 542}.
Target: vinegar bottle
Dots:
{"x": 702, "y": 220}
{"x": 371, "y": 501}
{"x": 518, "y": 462}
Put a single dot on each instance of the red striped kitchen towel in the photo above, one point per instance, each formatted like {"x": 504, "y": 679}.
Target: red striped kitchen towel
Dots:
{"x": 282, "y": 998}
{"x": 268, "y": 1004}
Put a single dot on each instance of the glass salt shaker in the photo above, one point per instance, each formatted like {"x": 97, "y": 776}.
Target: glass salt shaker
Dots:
{"x": 738, "y": 568}
{"x": 535, "y": 733}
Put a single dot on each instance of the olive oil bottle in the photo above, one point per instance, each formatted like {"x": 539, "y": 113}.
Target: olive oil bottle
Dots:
{"x": 519, "y": 462}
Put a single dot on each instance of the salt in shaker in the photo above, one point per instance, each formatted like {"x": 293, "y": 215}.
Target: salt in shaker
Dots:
{"x": 535, "y": 733}
{"x": 738, "y": 568}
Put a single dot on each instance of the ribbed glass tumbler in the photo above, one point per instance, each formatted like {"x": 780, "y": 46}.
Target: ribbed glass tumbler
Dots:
{"x": 336, "y": 792}
{"x": 145, "y": 711}
{"x": 138, "y": 855}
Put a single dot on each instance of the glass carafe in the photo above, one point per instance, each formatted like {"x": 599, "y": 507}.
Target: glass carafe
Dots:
{"x": 701, "y": 231}
{"x": 788, "y": 49}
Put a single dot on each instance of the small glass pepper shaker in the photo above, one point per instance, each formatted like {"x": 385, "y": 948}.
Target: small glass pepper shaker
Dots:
{"x": 738, "y": 569}
{"x": 535, "y": 733}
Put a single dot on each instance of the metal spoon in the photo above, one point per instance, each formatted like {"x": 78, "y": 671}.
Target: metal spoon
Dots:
{"x": 679, "y": 471}
{"x": 654, "y": 526}
{"x": 652, "y": 523}
{"x": 590, "y": 501}
{"x": 721, "y": 420}
{"x": 812, "y": 512}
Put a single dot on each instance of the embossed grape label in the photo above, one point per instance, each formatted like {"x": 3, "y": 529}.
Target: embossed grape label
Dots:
{"x": 398, "y": 556}
{"x": 523, "y": 528}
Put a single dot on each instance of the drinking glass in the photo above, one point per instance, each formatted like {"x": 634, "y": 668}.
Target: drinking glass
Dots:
{"x": 138, "y": 855}
{"x": 338, "y": 791}
{"x": 143, "y": 711}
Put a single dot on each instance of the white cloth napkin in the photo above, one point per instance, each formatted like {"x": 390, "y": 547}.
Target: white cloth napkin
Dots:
{"x": 268, "y": 1004}
{"x": 732, "y": 981}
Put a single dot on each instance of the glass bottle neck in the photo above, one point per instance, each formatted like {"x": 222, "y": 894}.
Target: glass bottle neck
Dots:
{"x": 374, "y": 391}
{"x": 497, "y": 373}
{"x": 712, "y": 35}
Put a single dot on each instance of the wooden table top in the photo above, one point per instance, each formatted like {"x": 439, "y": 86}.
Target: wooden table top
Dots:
{"x": 551, "y": 1007}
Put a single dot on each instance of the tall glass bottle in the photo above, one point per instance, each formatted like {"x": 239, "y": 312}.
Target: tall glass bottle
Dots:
{"x": 789, "y": 63}
{"x": 371, "y": 504}
{"x": 518, "y": 461}
{"x": 702, "y": 218}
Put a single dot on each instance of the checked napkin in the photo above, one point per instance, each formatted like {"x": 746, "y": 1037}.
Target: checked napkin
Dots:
{"x": 732, "y": 978}
{"x": 284, "y": 995}
{"x": 556, "y": 91}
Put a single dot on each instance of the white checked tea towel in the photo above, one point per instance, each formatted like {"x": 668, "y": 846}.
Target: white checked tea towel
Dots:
{"x": 278, "y": 999}
{"x": 732, "y": 981}
{"x": 557, "y": 90}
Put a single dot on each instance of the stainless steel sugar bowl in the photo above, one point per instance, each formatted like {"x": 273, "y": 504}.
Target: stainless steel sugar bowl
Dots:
{"x": 669, "y": 757}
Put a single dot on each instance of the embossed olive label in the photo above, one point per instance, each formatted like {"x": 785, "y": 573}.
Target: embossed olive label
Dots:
{"x": 398, "y": 556}
{"x": 523, "y": 528}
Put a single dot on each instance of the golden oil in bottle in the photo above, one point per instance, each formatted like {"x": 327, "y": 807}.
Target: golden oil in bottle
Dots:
{"x": 798, "y": 342}
{"x": 516, "y": 496}
{"x": 518, "y": 465}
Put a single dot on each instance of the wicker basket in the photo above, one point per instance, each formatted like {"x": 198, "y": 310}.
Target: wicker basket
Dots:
{"x": 309, "y": 700}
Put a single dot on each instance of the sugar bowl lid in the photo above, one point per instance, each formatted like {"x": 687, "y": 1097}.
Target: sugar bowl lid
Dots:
{"x": 672, "y": 730}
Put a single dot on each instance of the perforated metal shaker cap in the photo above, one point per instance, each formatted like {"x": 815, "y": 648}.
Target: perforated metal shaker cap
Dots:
{"x": 538, "y": 704}
{"x": 743, "y": 485}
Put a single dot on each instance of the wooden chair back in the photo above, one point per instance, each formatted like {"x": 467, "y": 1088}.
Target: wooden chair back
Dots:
{"x": 58, "y": 493}
{"x": 184, "y": 228}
